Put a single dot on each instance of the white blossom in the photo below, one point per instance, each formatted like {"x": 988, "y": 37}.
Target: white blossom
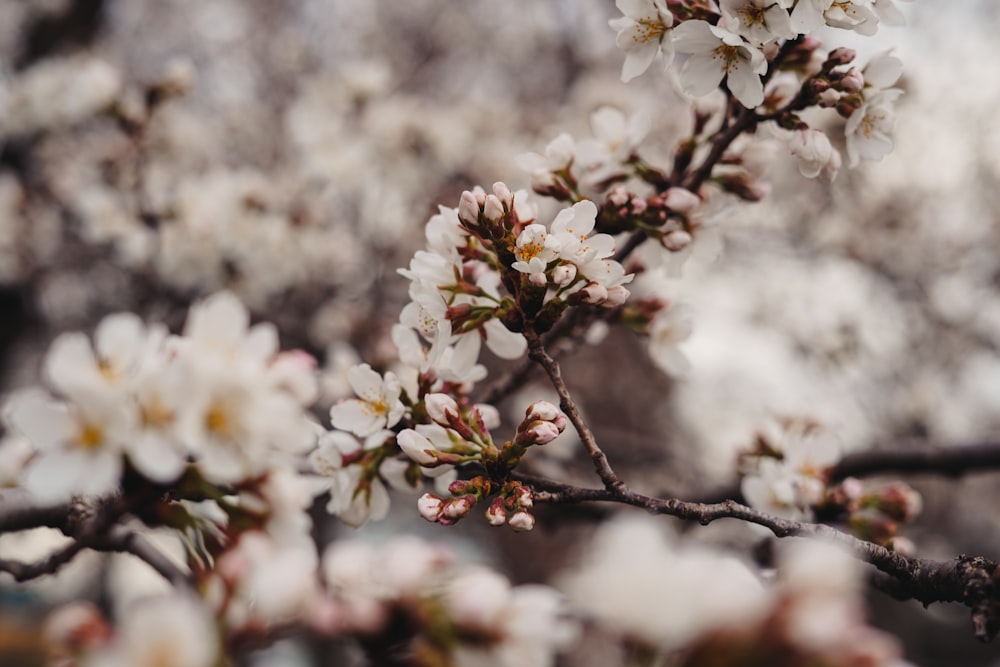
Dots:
{"x": 717, "y": 53}
{"x": 642, "y": 33}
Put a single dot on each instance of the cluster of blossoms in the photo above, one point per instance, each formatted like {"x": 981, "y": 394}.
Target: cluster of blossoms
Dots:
{"x": 788, "y": 470}
{"x": 769, "y": 59}
{"x": 405, "y": 596}
{"x": 220, "y": 397}
{"x": 697, "y": 606}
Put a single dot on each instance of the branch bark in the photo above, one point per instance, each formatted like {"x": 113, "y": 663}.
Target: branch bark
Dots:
{"x": 973, "y": 581}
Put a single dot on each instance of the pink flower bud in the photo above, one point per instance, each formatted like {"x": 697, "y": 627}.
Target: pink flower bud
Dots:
{"x": 828, "y": 98}
{"x": 489, "y": 415}
{"x": 417, "y": 447}
{"x": 542, "y": 410}
{"x": 429, "y": 506}
{"x": 676, "y": 240}
{"x": 522, "y": 521}
{"x": 495, "y": 514}
{"x": 539, "y": 433}
{"x": 468, "y": 210}
{"x": 493, "y": 209}
{"x": 537, "y": 279}
{"x": 442, "y": 408}
{"x": 841, "y": 56}
{"x": 681, "y": 200}
{"x": 619, "y": 195}
{"x": 594, "y": 293}
{"x": 523, "y": 497}
{"x": 617, "y": 295}
{"x": 564, "y": 274}
{"x": 853, "y": 81}
{"x": 458, "y": 508}
{"x": 504, "y": 194}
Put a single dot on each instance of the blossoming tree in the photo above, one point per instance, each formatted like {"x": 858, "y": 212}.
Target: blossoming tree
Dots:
{"x": 211, "y": 453}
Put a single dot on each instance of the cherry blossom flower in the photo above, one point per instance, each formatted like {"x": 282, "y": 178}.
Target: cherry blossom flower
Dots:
{"x": 869, "y": 129}
{"x": 667, "y": 331}
{"x": 174, "y": 630}
{"x": 534, "y": 249}
{"x": 80, "y": 448}
{"x": 816, "y": 155}
{"x": 636, "y": 581}
{"x": 378, "y": 406}
{"x": 642, "y": 33}
{"x": 789, "y": 486}
{"x": 760, "y": 21}
{"x": 717, "y": 53}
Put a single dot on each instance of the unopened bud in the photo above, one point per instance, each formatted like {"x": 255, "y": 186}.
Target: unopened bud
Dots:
{"x": 504, "y": 194}
{"x": 619, "y": 195}
{"x": 496, "y": 515}
{"x": 900, "y": 501}
{"x": 828, "y": 98}
{"x": 543, "y": 410}
{"x": 617, "y": 295}
{"x": 429, "y": 506}
{"x": 522, "y": 521}
{"x": 563, "y": 274}
{"x": 538, "y": 433}
{"x": 840, "y": 56}
{"x": 853, "y": 81}
{"x": 488, "y": 415}
{"x": 681, "y": 200}
{"x": 458, "y": 508}
{"x": 468, "y": 210}
{"x": 594, "y": 293}
{"x": 523, "y": 497}
{"x": 676, "y": 240}
{"x": 493, "y": 209}
{"x": 442, "y": 408}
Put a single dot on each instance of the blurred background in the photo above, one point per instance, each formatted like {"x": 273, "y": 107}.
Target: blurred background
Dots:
{"x": 155, "y": 151}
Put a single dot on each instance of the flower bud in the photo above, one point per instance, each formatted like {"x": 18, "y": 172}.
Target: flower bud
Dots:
{"x": 563, "y": 275}
{"x": 840, "y": 56}
{"x": 853, "y": 81}
{"x": 504, "y": 194}
{"x": 617, "y": 295}
{"x": 429, "y": 506}
{"x": 458, "y": 508}
{"x": 828, "y": 98}
{"x": 681, "y": 200}
{"x": 493, "y": 209}
{"x": 488, "y": 414}
{"x": 496, "y": 515}
{"x": 537, "y": 279}
{"x": 594, "y": 293}
{"x": 522, "y": 521}
{"x": 676, "y": 240}
{"x": 417, "y": 447}
{"x": 442, "y": 408}
{"x": 538, "y": 433}
{"x": 468, "y": 210}
{"x": 543, "y": 410}
{"x": 523, "y": 497}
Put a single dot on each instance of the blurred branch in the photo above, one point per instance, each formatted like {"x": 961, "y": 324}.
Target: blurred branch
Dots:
{"x": 917, "y": 456}
{"x": 91, "y": 523}
{"x": 973, "y": 581}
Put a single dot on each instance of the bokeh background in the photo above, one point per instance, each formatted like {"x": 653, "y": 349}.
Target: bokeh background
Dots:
{"x": 155, "y": 151}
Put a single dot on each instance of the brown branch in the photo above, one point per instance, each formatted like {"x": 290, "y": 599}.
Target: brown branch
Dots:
{"x": 920, "y": 457}
{"x": 538, "y": 354}
{"x": 973, "y": 581}
{"x": 91, "y": 523}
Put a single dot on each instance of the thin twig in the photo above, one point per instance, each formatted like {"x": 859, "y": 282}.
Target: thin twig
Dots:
{"x": 538, "y": 354}
{"x": 973, "y": 581}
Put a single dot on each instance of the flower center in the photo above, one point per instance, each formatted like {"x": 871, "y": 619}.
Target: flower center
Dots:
{"x": 729, "y": 55}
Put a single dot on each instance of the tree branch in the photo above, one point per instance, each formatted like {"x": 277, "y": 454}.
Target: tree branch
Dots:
{"x": 538, "y": 354}
{"x": 973, "y": 581}
{"x": 92, "y": 525}
{"x": 917, "y": 456}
